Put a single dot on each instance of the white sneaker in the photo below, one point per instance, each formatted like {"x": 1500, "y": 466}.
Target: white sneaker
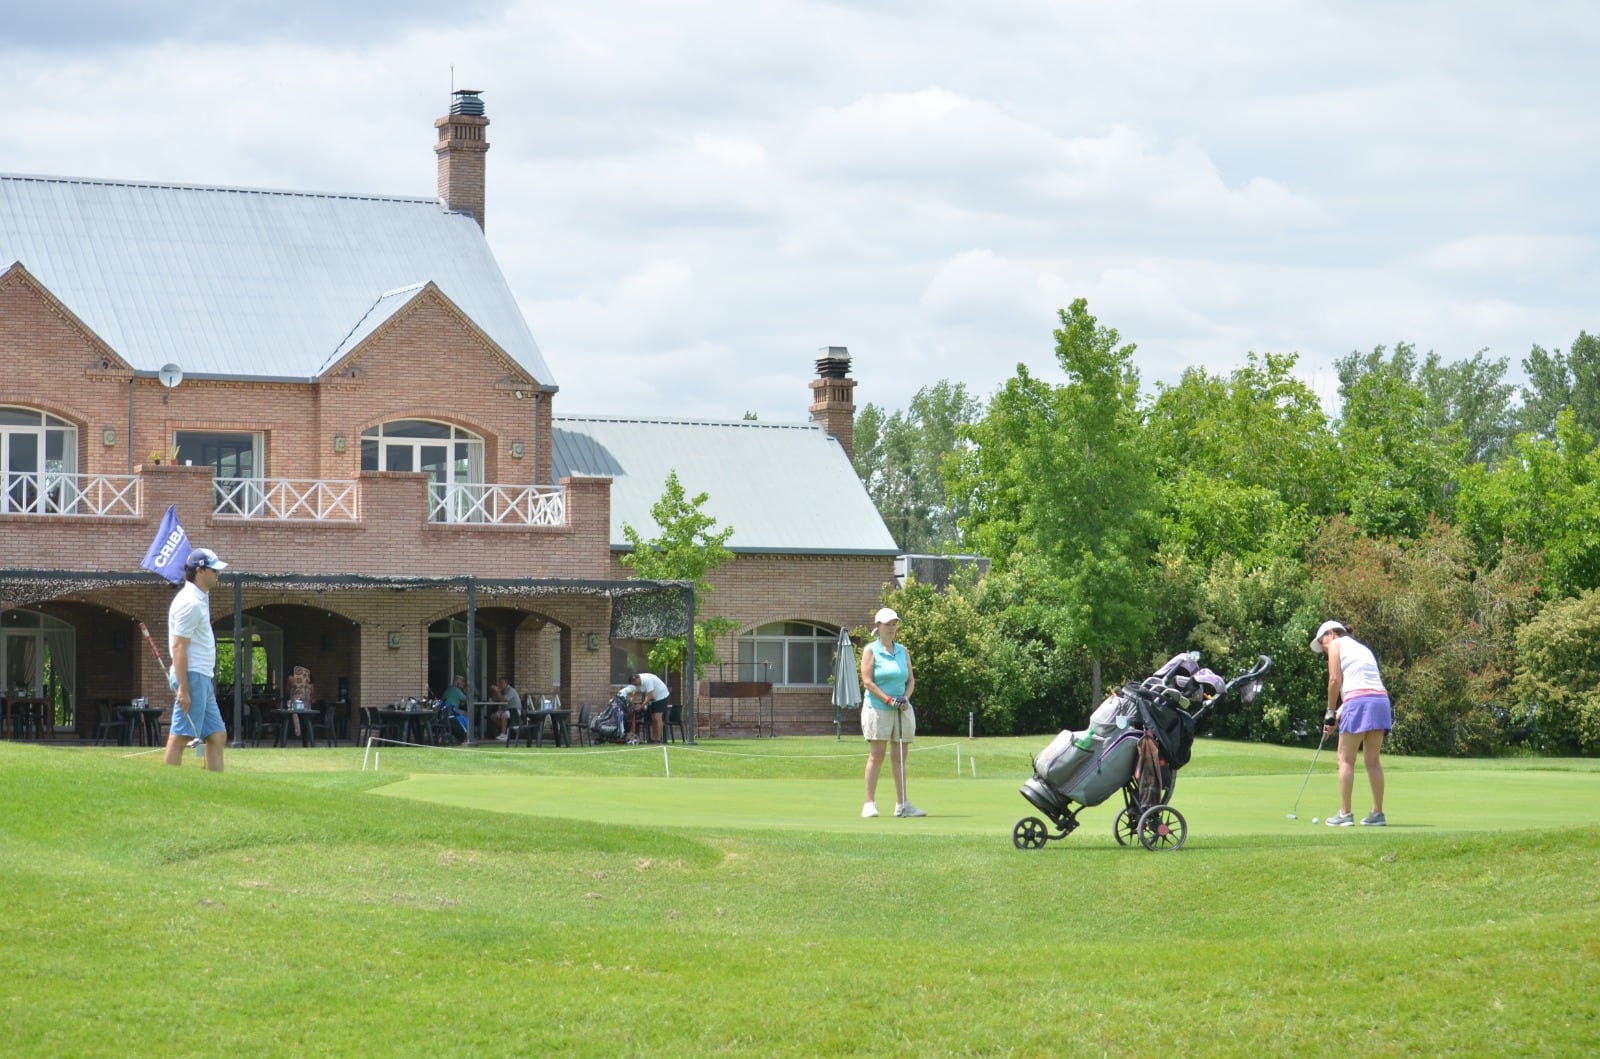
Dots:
{"x": 869, "y": 810}
{"x": 501, "y": 738}
{"x": 908, "y": 810}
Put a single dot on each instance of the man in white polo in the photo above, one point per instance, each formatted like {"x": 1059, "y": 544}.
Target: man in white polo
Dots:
{"x": 194, "y": 662}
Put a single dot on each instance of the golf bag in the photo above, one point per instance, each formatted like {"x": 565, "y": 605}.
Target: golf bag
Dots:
{"x": 1136, "y": 742}
{"x": 454, "y": 723}
{"x": 611, "y": 724}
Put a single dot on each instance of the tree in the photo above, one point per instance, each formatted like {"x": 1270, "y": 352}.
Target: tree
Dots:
{"x": 900, "y": 457}
{"x": 1061, "y": 470}
{"x": 987, "y": 476}
{"x": 1544, "y": 496}
{"x": 992, "y": 648}
{"x": 1250, "y": 458}
{"x": 1399, "y": 456}
{"x": 1558, "y": 679}
{"x": 1443, "y": 629}
{"x": 688, "y": 548}
{"x": 1473, "y": 395}
{"x": 1557, "y": 381}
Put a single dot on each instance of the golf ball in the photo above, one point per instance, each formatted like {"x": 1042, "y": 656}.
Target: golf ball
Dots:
{"x": 1314, "y": 820}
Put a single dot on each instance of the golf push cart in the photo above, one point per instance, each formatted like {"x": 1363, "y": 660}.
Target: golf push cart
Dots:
{"x": 1136, "y": 742}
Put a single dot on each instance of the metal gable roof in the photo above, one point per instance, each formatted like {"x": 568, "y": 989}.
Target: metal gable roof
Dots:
{"x": 240, "y": 283}
{"x": 783, "y": 487}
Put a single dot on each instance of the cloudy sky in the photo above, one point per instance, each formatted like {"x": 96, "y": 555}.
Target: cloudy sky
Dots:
{"x": 690, "y": 198}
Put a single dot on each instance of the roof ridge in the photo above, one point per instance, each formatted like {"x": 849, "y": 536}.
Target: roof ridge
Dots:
{"x": 167, "y": 185}
{"x": 699, "y": 421}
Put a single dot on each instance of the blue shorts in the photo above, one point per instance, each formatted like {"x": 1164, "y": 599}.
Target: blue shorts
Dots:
{"x": 1366, "y": 713}
{"x": 202, "y": 701}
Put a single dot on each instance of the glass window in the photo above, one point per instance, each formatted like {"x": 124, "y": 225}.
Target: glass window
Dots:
{"x": 228, "y": 455}
{"x": 451, "y": 456}
{"x": 36, "y": 451}
{"x": 797, "y": 654}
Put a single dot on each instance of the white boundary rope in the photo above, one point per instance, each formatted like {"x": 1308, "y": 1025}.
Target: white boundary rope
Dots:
{"x": 370, "y": 755}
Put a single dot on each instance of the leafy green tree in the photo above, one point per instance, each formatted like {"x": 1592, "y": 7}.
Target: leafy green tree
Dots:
{"x": 1544, "y": 496}
{"x": 1473, "y": 396}
{"x": 993, "y": 648}
{"x": 1443, "y": 629}
{"x": 1399, "y": 456}
{"x": 1062, "y": 471}
{"x": 1231, "y": 612}
{"x": 688, "y": 548}
{"x": 987, "y": 475}
{"x": 900, "y": 457}
{"x": 1251, "y": 460}
{"x": 1558, "y": 676}
{"x": 1559, "y": 380}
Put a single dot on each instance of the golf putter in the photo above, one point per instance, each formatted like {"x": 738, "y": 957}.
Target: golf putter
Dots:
{"x": 1293, "y": 814}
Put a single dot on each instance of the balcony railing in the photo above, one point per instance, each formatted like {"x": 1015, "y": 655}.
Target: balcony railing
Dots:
{"x": 497, "y": 505}
{"x": 286, "y": 499}
{"x": 49, "y": 493}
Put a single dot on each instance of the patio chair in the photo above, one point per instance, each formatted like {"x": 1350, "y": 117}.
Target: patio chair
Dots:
{"x": 370, "y": 726}
{"x": 580, "y": 731}
{"x": 674, "y": 718}
{"x": 326, "y": 722}
{"x": 108, "y": 723}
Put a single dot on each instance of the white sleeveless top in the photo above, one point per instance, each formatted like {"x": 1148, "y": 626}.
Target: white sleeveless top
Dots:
{"x": 1359, "y": 669}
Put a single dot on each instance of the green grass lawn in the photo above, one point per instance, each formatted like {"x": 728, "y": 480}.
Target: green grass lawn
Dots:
{"x": 522, "y": 902}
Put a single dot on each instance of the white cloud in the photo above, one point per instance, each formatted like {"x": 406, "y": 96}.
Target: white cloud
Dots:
{"x": 690, "y": 199}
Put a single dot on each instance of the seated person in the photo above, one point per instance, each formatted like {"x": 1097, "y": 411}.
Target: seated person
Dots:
{"x": 300, "y": 686}
{"x": 510, "y": 711}
{"x": 455, "y": 696}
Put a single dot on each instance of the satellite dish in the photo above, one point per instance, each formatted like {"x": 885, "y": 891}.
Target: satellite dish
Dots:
{"x": 170, "y": 375}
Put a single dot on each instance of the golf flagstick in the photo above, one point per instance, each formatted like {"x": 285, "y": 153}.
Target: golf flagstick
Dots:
{"x": 172, "y": 682}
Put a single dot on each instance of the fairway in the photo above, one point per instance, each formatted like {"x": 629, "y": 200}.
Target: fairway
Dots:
{"x": 1214, "y": 806}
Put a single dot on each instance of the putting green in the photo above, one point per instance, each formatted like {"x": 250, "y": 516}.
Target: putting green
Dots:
{"x": 1460, "y": 800}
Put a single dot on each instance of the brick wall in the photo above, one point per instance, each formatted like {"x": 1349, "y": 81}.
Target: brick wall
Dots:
{"x": 428, "y": 361}
{"x": 754, "y": 590}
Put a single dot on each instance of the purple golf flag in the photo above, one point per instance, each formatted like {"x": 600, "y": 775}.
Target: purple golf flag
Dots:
{"x": 169, "y": 549}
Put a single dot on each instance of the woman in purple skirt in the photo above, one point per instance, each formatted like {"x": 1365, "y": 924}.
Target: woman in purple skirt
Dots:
{"x": 1359, "y": 704}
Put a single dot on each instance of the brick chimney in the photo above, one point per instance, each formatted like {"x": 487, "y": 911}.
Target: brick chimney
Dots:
{"x": 833, "y": 397}
{"x": 461, "y": 148}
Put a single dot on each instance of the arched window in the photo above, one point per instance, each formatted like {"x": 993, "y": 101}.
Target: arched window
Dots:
{"x": 36, "y": 451}
{"x": 795, "y": 653}
{"x": 452, "y": 457}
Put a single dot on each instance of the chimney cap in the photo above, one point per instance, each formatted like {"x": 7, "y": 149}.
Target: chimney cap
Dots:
{"x": 466, "y": 101}
{"x": 833, "y": 362}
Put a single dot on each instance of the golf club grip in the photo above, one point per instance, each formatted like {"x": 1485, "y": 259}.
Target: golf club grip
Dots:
{"x": 145, "y": 629}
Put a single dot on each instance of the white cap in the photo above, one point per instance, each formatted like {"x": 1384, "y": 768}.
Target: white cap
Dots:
{"x": 884, "y": 617}
{"x": 1323, "y": 630}
{"x": 204, "y": 559}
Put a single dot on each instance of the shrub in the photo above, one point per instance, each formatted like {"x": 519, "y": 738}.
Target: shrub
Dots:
{"x": 1557, "y": 684}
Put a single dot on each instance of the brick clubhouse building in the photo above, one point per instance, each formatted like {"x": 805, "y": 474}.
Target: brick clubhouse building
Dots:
{"x": 340, "y": 395}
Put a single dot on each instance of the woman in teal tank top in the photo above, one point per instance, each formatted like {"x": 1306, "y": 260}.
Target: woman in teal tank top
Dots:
{"x": 887, "y": 682}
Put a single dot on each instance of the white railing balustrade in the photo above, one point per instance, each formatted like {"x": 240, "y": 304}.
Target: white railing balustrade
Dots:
{"x": 497, "y": 505}
{"x": 49, "y": 493}
{"x": 307, "y": 499}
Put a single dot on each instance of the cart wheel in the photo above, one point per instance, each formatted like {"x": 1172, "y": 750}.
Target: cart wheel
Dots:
{"x": 1125, "y": 827}
{"x": 1030, "y": 833}
{"x": 1162, "y": 827}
